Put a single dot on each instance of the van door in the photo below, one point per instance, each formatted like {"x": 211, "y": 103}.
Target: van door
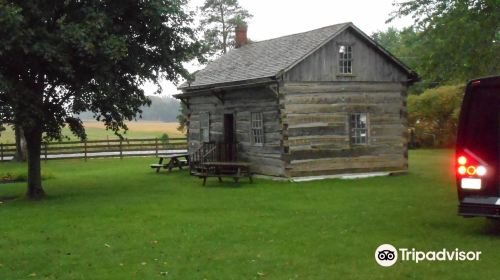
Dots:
{"x": 478, "y": 136}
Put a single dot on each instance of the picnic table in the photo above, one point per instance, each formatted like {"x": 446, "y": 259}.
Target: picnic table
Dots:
{"x": 235, "y": 170}
{"x": 175, "y": 160}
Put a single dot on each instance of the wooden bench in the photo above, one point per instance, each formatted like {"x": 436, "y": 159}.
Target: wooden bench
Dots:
{"x": 175, "y": 160}
{"x": 235, "y": 170}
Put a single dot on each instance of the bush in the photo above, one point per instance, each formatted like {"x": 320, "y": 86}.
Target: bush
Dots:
{"x": 21, "y": 176}
{"x": 434, "y": 115}
{"x": 164, "y": 140}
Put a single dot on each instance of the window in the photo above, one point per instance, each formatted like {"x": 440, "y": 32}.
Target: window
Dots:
{"x": 358, "y": 128}
{"x": 479, "y": 129}
{"x": 345, "y": 59}
{"x": 257, "y": 132}
{"x": 205, "y": 127}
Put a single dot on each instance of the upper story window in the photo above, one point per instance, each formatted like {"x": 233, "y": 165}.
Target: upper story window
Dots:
{"x": 358, "y": 125}
{"x": 257, "y": 130}
{"x": 345, "y": 59}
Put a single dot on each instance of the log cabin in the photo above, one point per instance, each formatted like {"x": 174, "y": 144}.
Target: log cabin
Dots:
{"x": 316, "y": 104}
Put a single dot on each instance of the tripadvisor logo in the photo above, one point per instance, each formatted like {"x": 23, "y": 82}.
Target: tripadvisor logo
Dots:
{"x": 386, "y": 255}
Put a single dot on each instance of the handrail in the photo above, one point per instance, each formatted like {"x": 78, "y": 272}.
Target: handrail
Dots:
{"x": 210, "y": 151}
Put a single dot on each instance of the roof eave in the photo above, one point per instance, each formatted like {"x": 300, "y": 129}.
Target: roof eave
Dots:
{"x": 226, "y": 86}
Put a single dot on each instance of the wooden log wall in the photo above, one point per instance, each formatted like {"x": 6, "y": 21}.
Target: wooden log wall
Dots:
{"x": 266, "y": 159}
{"x": 316, "y": 118}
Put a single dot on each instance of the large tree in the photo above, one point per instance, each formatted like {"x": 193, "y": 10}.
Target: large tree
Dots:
{"x": 460, "y": 39}
{"x": 21, "y": 154}
{"x": 401, "y": 43}
{"x": 61, "y": 58}
{"x": 405, "y": 44}
{"x": 218, "y": 21}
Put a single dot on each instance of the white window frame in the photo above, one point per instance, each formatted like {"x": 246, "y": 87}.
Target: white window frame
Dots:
{"x": 345, "y": 59}
{"x": 257, "y": 128}
{"x": 358, "y": 132}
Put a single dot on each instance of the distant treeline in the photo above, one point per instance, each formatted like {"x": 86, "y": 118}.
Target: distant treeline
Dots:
{"x": 165, "y": 109}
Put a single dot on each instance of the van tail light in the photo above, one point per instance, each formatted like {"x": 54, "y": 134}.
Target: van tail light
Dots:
{"x": 470, "y": 169}
{"x": 462, "y": 170}
{"x": 467, "y": 166}
{"x": 462, "y": 160}
{"x": 481, "y": 170}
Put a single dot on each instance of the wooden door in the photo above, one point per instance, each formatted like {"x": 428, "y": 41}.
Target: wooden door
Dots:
{"x": 229, "y": 136}
{"x": 229, "y": 145}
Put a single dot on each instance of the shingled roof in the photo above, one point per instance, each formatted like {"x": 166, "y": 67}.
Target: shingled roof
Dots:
{"x": 264, "y": 59}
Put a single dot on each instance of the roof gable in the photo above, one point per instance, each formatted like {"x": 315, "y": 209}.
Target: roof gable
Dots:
{"x": 368, "y": 64}
{"x": 269, "y": 58}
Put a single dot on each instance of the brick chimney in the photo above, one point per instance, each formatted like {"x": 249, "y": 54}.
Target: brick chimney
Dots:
{"x": 240, "y": 37}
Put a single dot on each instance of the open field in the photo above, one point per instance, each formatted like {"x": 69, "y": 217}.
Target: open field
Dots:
{"x": 96, "y": 131}
{"x": 117, "y": 219}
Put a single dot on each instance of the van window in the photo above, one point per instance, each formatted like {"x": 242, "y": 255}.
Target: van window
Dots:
{"x": 481, "y": 124}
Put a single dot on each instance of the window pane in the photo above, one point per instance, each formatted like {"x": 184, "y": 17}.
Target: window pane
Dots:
{"x": 345, "y": 59}
{"x": 257, "y": 129}
{"x": 206, "y": 137}
{"x": 358, "y": 128}
{"x": 482, "y": 124}
{"x": 205, "y": 127}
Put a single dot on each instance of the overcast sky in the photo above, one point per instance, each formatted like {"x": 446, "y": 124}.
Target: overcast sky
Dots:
{"x": 275, "y": 18}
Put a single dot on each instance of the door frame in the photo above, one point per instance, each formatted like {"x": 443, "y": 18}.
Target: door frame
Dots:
{"x": 233, "y": 125}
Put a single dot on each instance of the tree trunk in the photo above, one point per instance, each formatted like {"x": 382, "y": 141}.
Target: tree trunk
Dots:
{"x": 34, "y": 144}
{"x": 21, "y": 149}
{"x": 224, "y": 33}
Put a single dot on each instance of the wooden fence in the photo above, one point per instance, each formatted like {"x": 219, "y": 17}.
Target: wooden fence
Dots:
{"x": 102, "y": 148}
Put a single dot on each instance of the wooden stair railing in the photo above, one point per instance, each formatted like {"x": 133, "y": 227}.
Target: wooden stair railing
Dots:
{"x": 210, "y": 152}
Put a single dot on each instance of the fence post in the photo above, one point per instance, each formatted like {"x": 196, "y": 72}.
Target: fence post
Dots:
{"x": 45, "y": 148}
{"x": 156, "y": 146}
{"x": 121, "y": 149}
{"x": 85, "y": 148}
{"x": 1, "y": 152}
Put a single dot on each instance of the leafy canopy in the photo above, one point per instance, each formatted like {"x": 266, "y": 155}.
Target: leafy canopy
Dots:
{"x": 62, "y": 58}
{"x": 405, "y": 45}
{"x": 402, "y": 44}
{"x": 459, "y": 39}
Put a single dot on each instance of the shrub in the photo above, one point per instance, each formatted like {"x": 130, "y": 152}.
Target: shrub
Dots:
{"x": 164, "y": 140}
{"x": 434, "y": 115}
{"x": 22, "y": 176}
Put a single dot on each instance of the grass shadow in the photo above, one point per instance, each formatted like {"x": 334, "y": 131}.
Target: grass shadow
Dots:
{"x": 491, "y": 227}
{"x": 7, "y": 198}
{"x": 226, "y": 184}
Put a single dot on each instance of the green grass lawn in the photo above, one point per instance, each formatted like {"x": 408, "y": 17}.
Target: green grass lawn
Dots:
{"x": 117, "y": 219}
